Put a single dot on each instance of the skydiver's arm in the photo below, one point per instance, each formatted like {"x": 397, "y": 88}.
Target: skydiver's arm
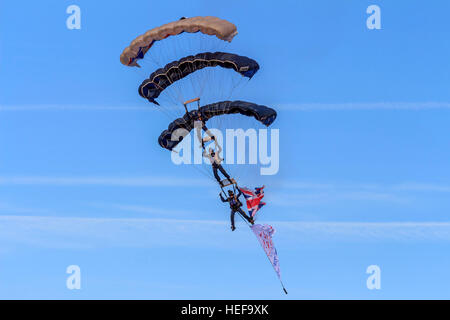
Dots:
{"x": 221, "y": 198}
{"x": 218, "y": 148}
{"x": 218, "y": 151}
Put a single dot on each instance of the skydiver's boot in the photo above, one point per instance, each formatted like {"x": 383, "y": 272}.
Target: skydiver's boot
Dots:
{"x": 251, "y": 220}
{"x": 233, "y": 228}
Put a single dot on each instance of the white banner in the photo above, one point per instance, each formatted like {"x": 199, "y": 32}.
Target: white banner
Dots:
{"x": 264, "y": 234}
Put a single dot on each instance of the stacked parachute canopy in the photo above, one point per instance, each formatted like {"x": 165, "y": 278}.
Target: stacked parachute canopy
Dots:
{"x": 263, "y": 114}
{"x": 222, "y": 29}
{"x": 159, "y": 80}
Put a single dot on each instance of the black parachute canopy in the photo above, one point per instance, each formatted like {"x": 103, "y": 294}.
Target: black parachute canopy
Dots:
{"x": 263, "y": 114}
{"x": 159, "y": 80}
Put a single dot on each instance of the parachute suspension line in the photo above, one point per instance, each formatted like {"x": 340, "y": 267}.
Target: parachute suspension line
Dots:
{"x": 178, "y": 89}
{"x": 168, "y": 111}
{"x": 169, "y": 114}
{"x": 170, "y": 99}
{"x": 164, "y": 52}
{"x": 205, "y": 173}
{"x": 235, "y": 85}
{"x": 182, "y": 85}
{"x": 241, "y": 170}
{"x": 172, "y": 90}
{"x": 205, "y": 44}
{"x": 192, "y": 82}
{"x": 187, "y": 45}
{"x": 142, "y": 71}
{"x": 204, "y": 81}
{"x": 154, "y": 59}
{"x": 221, "y": 78}
{"x": 245, "y": 220}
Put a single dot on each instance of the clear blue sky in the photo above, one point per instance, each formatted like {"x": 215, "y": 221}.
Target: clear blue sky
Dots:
{"x": 364, "y": 176}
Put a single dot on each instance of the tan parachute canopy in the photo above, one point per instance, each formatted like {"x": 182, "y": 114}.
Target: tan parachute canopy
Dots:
{"x": 222, "y": 29}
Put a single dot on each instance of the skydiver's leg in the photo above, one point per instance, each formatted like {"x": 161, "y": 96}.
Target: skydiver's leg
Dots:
{"x": 206, "y": 139}
{"x": 206, "y": 130}
{"x": 245, "y": 215}
{"x": 232, "y": 219}
{"x": 216, "y": 175}
{"x": 223, "y": 171}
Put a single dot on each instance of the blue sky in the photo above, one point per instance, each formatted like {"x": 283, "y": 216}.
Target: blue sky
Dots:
{"x": 364, "y": 157}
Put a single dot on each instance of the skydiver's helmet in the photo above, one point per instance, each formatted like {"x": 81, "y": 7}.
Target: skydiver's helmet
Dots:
{"x": 212, "y": 152}
{"x": 230, "y": 193}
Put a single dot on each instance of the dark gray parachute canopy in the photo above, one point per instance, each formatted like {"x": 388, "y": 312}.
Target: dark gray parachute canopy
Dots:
{"x": 159, "y": 80}
{"x": 263, "y": 114}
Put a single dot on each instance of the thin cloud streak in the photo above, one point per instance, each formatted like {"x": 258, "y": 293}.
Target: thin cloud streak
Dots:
{"x": 288, "y": 194}
{"x": 365, "y": 106}
{"x": 303, "y": 198}
{"x": 298, "y": 193}
{"x": 56, "y": 107}
{"x": 74, "y": 108}
{"x": 362, "y": 189}
{"x": 143, "y": 209}
{"x": 104, "y": 181}
{"x": 85, "y": 233}
{"x": 370, "y": 231}
{"x": 424, "y": 187}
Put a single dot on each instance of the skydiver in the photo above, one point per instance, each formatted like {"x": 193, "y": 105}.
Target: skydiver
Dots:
{"x": 198, "y": 116}
{"x": 216, "y": 160}
{"x": 235, "y": 206}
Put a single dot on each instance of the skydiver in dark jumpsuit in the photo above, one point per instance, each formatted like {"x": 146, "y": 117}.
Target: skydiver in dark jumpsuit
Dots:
{"x": 235, "y": 206}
